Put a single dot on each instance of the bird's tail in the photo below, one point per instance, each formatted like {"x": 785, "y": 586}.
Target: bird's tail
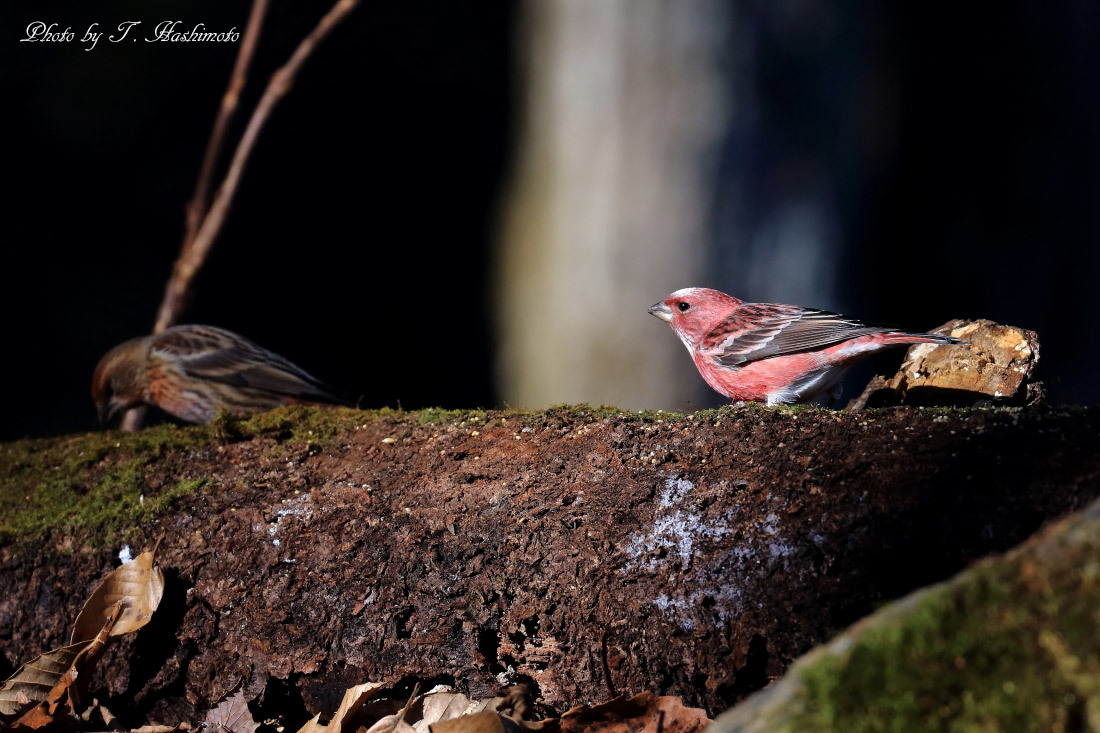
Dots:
{"x": 922, "y": 338}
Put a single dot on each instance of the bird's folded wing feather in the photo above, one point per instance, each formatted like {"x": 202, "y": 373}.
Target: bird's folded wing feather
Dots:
{"x": 756, "y": 331}
{"x": 220, "y": 356}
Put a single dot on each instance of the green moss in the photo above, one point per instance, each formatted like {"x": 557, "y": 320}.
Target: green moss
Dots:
{"x": 440, "y": 416}
{"x": 164, "y": 500}
{"x": 809, "y": 407}
{"x": 298, "y": 423}
{"x": 556, "y": 413}
{"x": 728, "y": 411}
{"x": 1010, "y": 645}
{"x": 82, "y": 482}
{"x": 592, "y": 413}
{"x": 95, "y": 483}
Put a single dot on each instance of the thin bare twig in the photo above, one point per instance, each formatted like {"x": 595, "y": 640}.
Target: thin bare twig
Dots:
{"x": 197, "y": 207}
{"x": 202, "y": 222}
{"x": 192, "y": 257}
{"x": 200, "y": 200}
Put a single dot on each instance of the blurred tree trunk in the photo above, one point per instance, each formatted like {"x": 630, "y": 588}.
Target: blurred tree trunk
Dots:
{"x": 624, "y": 104}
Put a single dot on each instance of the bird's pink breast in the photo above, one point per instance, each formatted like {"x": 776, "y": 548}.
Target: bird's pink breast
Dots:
{"x": 755, "y": 381}
{"x": 758, "y": 380}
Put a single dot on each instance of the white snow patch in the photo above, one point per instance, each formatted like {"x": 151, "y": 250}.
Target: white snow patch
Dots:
{"x": 124, "y": 555}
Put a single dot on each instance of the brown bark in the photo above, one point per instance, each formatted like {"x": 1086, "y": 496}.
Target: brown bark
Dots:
{"x": 685, "y": 556}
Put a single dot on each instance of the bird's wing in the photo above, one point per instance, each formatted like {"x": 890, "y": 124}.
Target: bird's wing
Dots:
{"x": 755, "y": 331}
{"x": 213, "y": 354}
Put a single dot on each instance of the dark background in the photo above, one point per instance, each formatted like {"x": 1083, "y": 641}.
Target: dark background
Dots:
{"x": 959, "y": 148}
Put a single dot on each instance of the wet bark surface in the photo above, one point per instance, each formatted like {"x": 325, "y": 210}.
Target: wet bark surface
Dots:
{"x": 691, "y": 556}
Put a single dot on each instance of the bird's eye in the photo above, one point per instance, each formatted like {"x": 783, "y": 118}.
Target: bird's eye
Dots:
{"x": 683, "y": 306}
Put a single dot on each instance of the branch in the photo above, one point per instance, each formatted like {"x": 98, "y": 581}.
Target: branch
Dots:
{"x": 197, "y": 207}
{"x": 192, "y": 257}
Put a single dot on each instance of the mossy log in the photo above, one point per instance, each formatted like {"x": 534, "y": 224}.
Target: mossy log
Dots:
{"x": 1009, "y": 645}
{"x": 579, "y": 550}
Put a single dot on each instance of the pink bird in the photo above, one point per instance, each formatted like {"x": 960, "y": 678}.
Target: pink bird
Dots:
{"x": 774, "y": 353}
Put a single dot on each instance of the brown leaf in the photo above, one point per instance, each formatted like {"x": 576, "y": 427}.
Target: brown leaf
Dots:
{"x": 232, "y": 714}
{"x": 391, "y": 724}
{"x": 33, "y": 681}
{"x": 486, "y": 721}
{"x": 372, "y": 714}
{"x": 452, "y": 711}
{"x": 644, "y": 713}
{"x": 440, "y": 706}
{"x": 72, "y": 688}
{"x": 354, "y": 699}
{"x": 137, "y": 584}
{"x": 399, "y": 725}
{"x": 425, "y": 713}
{"x": 67, "y": 694}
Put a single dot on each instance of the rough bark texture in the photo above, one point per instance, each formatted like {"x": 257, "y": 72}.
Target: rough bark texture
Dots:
{"x": 705, "y": 551}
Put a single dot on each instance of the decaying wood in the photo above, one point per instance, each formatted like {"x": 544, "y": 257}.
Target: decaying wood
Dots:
{"x": 681, "y": 556}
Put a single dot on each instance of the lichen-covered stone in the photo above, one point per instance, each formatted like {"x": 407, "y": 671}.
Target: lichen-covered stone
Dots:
{"x": 998, "y": 367}
{"x": 1008, "y": 645}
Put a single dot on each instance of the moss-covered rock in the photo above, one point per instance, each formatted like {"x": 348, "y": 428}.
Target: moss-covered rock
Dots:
{"x": 1010, "y": 644}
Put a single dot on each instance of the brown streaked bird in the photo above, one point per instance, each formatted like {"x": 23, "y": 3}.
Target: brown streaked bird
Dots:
{"x": 193, "y": 371}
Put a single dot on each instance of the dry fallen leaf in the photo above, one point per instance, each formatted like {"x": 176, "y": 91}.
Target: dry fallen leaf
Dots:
{"x": 443, "y": 709}
{"x": 354, "y": 699}
{"x": 369, "y": 709}
{"x": 34, "y": 680}
{"x": 232, "y": 714}
{"x": 643, "y": 713}
{"x": 138, "y": 584}
{"x": 67, "y": 694}
{"x": 486, "y": 721}
{"x": 399, "y": 724}
{"x": 375, "y": 711}
{"x": 391, "y": 724}
{"x": 439, "y": 706}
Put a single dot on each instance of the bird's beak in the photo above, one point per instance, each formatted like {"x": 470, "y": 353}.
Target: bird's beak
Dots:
{"x": 662, "y": 311}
